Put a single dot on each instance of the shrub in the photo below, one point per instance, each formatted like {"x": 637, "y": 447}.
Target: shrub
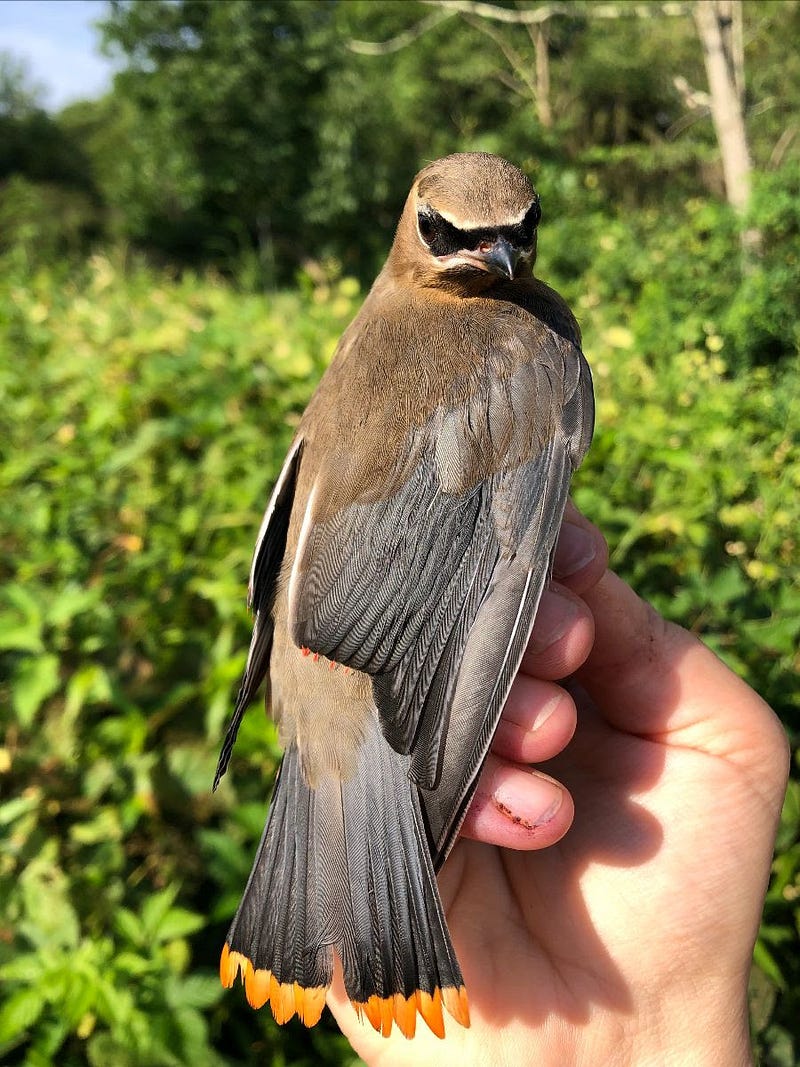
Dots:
{"x": 142, "y": 421}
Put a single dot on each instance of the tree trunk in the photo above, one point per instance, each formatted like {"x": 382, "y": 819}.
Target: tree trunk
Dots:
{"x": 543, "y": 108}
{"x": 715, "y": 19}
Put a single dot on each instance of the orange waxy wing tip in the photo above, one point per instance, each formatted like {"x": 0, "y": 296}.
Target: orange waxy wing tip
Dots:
{"x": 455, "y": 1000}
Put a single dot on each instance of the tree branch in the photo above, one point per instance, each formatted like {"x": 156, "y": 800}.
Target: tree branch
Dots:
{"x": 782, "y": 144}
{"x": 532, "y": 16}
{"x": 692, "y": 98}
{"x": 525, "y": 17}
{"x": 513, "y": 58}
{"x": 402, "y": 40}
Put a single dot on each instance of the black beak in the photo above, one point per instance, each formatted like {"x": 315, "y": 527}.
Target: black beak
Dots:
{"x": 500, "y": 258}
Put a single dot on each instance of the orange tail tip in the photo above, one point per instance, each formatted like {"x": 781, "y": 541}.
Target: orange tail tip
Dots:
{"x": 260, "y": 986}
{"x": 310, "y": 1002}
{"x": 383, "y": 1011}
{"x": 231, "y": 964}
{"x": 379, "y": 1011}
{"x": 386, "y": 1004}
{"x": 372, "y": 1009}
{"x": 430, "y": 1008}
{"x": 256, "y": 987}
{"x": 405, "y": 1013}
{"x": 281, "y": 1000}
{"x": 455, "y": 1000}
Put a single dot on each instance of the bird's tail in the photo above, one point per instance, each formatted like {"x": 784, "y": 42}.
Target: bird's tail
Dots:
{"x": 345, "y": 866}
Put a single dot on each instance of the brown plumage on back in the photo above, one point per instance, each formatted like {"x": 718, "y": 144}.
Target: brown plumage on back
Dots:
{"x": 395, "y": 583}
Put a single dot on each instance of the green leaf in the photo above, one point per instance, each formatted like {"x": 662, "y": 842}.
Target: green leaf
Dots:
{"x": 179, "y": 922}
{"x": 88, "y": 683}
{"x": 105, "y": 826}
{"x": 21, "y": 626}
{"x": 147, "y": 437}
{"x": 130, "y": 926}
{"x": 103, "y": 1050}
{"x": 17, "y": 807}
{"x": 194, "y": 1030}
{"x": 768, "y": 964}
{"x": 778, "y": 1041}
{"x": 133, "y": 964}
{"x": 789, "y": 827}
{"x": 156, "y": 907}
{"x": 26, "y": 969}
{"x": 35, "y": 679}
{"x": 69, "y": 602}
{"x": 50, "y": 919}
{"x": 19, "y": 1012}
{"x": 22, "y": 638}
{"x": 78, "y": 998}
{"x": 762, "y": 996}
{"x": 195, "y": 991}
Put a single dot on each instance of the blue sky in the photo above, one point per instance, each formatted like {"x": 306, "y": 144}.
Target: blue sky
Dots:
{"x": 59, "y": 45}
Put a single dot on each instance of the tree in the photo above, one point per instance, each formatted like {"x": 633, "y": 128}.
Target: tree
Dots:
{"x": 19, "y": 93}
{"x": 225, "y": 145}
{"x": 719, "y": 26}
{"x": 48, "y": 203}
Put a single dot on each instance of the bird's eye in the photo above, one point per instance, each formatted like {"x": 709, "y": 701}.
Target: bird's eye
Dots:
{"x": 427, "y": 227}
{"x": 441, "y": 237}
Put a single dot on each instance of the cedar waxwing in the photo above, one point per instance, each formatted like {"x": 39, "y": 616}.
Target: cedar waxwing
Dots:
{"x": 395, "y": 582}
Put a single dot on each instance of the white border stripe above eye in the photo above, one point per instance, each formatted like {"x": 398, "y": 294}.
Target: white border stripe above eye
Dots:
{"x": 482, "y": 224}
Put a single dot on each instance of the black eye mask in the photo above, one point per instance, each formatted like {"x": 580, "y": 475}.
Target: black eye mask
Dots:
{"x": 445, "y": 239}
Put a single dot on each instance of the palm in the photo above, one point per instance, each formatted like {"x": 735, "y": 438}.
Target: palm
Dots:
{"x": 588, "y": 927}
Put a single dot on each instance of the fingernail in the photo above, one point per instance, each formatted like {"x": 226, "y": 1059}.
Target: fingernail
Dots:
{"x": 544, "y": 713}
{"x": 528, "y": 800}
{"x": 520, "y": 715}
{"x": 575, "y": 548}
{"x": 555, "y": 616}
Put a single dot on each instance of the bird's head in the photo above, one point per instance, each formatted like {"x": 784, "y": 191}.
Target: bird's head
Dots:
{"x": 469, "y": 221}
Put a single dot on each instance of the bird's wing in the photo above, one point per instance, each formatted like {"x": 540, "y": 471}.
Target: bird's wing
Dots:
{"x": 432, "y": 588}
{"x": 267, "y": 558}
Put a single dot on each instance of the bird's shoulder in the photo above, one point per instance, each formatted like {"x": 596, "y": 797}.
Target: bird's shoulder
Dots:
{"x": 420, "y": 369}
{"x": 418, "y": 341}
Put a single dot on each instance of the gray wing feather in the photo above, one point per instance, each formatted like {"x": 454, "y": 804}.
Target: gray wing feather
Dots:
{"x": 433, "y": 590}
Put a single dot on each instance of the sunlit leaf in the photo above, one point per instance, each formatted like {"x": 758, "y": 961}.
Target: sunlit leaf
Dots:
{"x": 35, "y": 679}
{"x": 22, "y": 1008}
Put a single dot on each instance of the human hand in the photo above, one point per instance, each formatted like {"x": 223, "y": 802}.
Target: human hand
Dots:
{"x": 628, "y": 940}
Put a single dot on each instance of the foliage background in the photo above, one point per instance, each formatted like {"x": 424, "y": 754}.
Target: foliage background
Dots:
{"x": 178, "y": 261}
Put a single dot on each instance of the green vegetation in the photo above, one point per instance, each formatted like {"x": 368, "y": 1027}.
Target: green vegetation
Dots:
{"x": 143, "y": 420}
{"x": 149, "y": 387}
{"x": 141, "y": 425}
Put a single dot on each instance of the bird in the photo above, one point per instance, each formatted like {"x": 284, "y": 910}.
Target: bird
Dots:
{"x": 394, "y": 585}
